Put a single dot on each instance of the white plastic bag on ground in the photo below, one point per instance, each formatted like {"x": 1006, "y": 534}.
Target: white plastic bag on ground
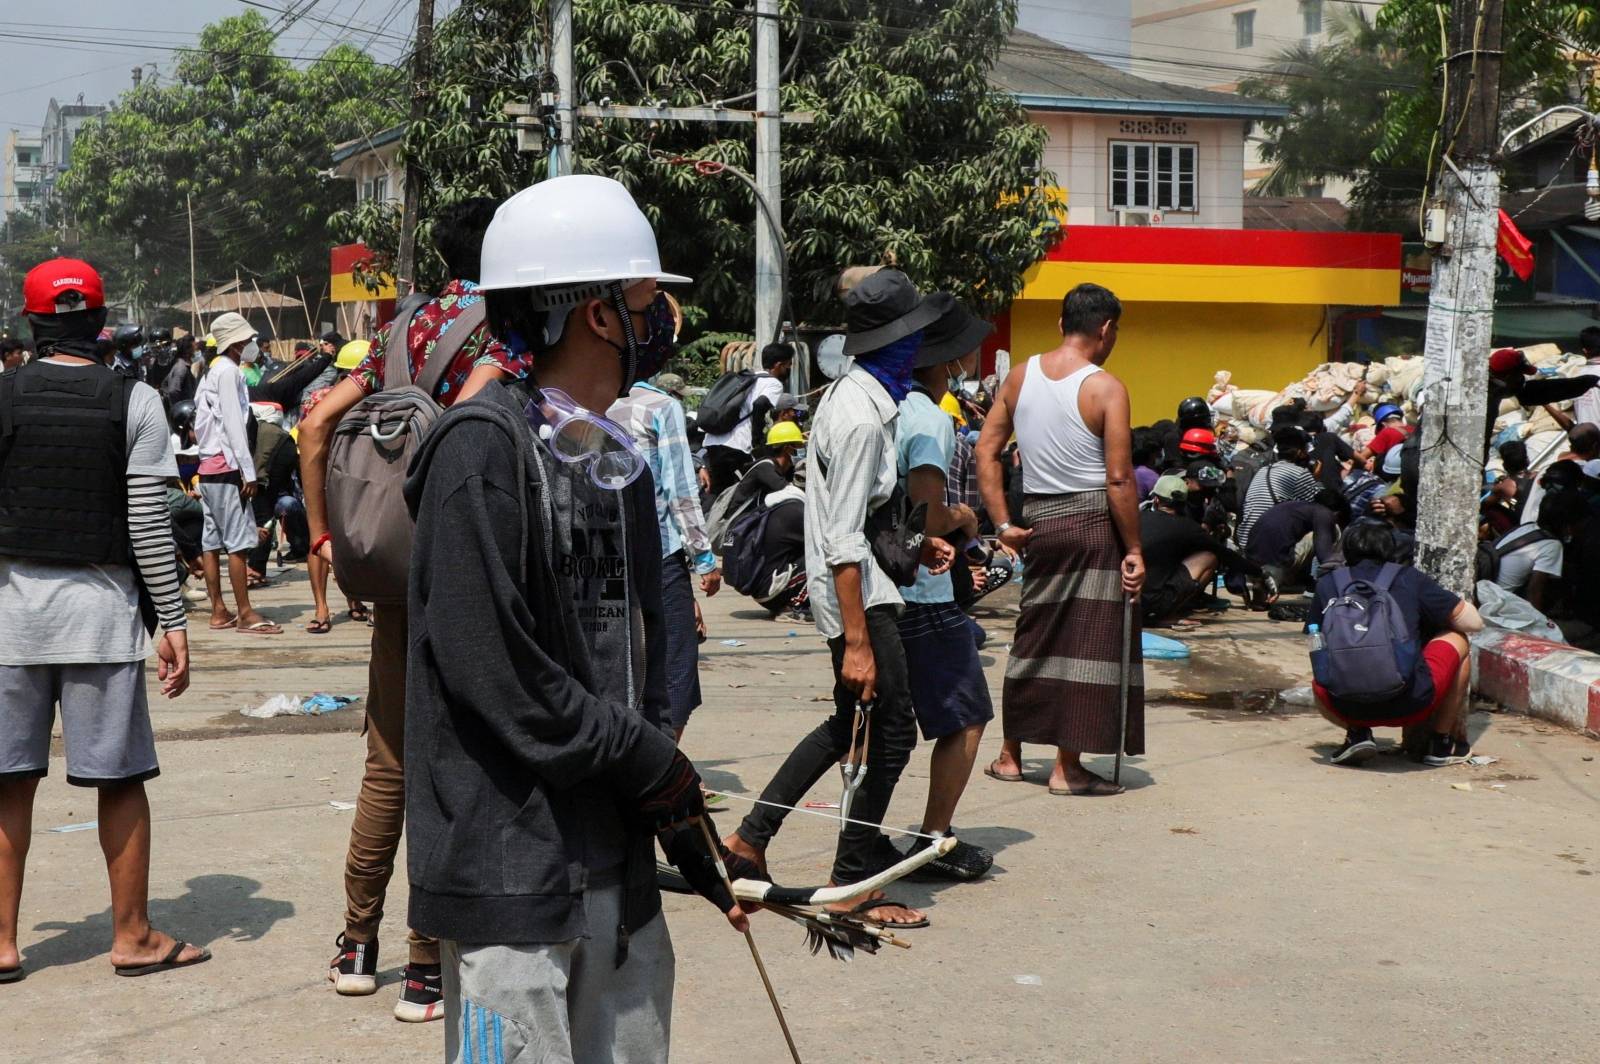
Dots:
{"x": 276, "y": 706}
{"x": 1505, "y": 610}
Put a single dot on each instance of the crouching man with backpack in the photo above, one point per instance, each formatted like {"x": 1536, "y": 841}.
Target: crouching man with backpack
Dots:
{"x": 1389, "y": 650}
{"x": 356, "y": 508}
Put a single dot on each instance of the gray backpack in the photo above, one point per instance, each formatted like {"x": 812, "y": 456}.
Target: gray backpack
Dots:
{"x": 371, "y": 451}
{"x": 1369, "y": 655}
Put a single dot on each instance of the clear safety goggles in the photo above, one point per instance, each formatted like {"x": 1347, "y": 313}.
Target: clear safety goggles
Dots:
{"x": 579, "y": 436}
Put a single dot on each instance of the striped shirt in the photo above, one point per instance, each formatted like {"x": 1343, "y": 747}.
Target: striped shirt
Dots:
{"x": 655, "y": 421}
{"x": 851, "y": 471}
{"x": 1276, "y": 482}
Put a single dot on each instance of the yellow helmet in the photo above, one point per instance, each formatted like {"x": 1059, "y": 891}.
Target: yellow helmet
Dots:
{"x": 784, "y": 432}
{"x": 211, "y": 341}
{"x": 950, "y": 405}
{"x": 351, "y": 354}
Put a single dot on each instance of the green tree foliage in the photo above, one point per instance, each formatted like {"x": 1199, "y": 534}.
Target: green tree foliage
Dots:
{"x": 912, "y": 158}
{"x": 242, "y": 133}
{"x": 27, "y": 239}
{"x": 1366, "y": 104}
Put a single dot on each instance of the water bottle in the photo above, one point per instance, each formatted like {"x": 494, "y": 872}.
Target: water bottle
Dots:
{"x": 1314, "y": 640}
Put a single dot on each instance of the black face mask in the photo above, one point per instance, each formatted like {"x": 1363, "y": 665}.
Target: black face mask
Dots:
{"x": 76, "y": 332}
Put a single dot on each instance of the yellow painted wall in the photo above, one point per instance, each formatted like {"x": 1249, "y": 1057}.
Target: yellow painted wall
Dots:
{"x": 1167, "y": 352}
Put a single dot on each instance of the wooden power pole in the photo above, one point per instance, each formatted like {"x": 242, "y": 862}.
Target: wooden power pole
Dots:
{"x": 1461, "y": 301}
{"x": 421, "y": 58}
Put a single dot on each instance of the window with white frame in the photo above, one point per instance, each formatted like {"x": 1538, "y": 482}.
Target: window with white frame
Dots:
{"x": 1244, "y": 29}
{"x": 1150, "y": 175}
{"x": 1311, "y": 16}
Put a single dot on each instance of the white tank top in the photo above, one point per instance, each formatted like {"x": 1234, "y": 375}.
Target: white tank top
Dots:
{"x": 1059, "y": 453}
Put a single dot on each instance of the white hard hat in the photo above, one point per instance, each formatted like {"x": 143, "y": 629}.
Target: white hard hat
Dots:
{"x": 574, "y": 230}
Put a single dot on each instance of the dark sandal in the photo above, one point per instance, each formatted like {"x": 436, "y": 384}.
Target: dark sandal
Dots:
{"x": 860, "y": 913}
{"x": 1100, "y": 788}
{"x": 1004, "y": 777}
{"x": 167, "y": 964}
{"x": 320, "y": 625}
{"x": 359, "y": 613}
{"x": 11, "y": 975}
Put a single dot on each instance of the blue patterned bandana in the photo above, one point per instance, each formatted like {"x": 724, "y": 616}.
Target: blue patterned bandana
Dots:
{"x": 891, "y": 365}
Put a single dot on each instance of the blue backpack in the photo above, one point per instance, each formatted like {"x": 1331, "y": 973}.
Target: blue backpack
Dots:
{"x": 1369, "y": 654}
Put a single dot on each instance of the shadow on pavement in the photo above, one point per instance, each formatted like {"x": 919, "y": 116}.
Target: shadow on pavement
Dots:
{"x": 215, "y": 907}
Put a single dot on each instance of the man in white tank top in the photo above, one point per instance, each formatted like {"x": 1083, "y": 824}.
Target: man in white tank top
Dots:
{"x": 1073, "y": 431}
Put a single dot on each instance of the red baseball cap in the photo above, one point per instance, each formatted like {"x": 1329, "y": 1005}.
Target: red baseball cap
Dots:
{"x": 48, "y": 282}
{"x": 1507, "y": 360}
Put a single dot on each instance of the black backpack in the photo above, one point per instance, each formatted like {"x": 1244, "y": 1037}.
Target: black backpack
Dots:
{"x": 1491, "y": 554}
{"x": 719, "y": 410}
{"x": 743, "y": 547}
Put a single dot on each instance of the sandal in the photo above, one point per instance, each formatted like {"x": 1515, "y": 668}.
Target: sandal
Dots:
{"x": 1100, "y": 788}
{"x": 11, "y": 975}
{"x": 860, "y": 913}
{"x": 320, "y": 625}
{"x": 223, "y": 627}
{"x": 169, "y": 963}
{"x": 1004, "y": 777}
{"x": 260, "y": 628}
{"x": 256, "y": 580}
{"x": 359, "y": 613}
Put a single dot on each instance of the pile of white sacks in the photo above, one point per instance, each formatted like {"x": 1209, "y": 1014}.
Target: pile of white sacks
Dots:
{"x": 1245, "y": 412}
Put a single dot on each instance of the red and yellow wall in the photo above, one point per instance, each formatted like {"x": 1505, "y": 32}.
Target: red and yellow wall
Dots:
{"x": 1200, "y": 300}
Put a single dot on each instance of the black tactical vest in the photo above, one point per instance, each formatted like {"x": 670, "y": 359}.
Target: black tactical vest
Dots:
{"x": 64, "y": 463}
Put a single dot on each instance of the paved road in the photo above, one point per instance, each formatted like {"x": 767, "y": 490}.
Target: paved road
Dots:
{"x": 1245, "y": 902}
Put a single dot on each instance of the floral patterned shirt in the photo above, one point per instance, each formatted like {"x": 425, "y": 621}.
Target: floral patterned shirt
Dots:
{"x": 430, "y": 321}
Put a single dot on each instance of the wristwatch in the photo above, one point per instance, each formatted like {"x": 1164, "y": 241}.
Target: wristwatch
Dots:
{"x": 1002, "y": 527}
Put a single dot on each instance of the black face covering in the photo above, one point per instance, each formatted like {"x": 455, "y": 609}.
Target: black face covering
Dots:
{"x": 73, "y": 333}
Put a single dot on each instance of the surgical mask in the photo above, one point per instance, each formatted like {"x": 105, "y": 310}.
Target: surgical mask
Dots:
{"x": 251, "y": 352}
{"x": 578, "y": 436}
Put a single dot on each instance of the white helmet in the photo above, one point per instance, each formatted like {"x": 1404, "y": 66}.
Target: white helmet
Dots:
{"x": 567, "y": 231}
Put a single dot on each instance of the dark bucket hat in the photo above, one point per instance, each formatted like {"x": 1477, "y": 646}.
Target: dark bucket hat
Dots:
{"x": 956, "y": 332}
{"x": 884, "y": 308}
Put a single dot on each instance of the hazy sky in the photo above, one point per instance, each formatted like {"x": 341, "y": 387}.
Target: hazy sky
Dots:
{"x": 95, "y": 50}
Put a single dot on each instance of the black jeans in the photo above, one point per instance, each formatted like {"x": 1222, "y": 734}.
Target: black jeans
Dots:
{"x": 725, "y": 465}
{"x": 894, "y": 733}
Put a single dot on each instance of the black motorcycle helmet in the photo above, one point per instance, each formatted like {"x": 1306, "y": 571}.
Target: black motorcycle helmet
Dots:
{"x": 126, "y": 337}
{"x": 1194, "y": 413}
{"x": 183, "y": 416}
{"x": 161, "y": 336}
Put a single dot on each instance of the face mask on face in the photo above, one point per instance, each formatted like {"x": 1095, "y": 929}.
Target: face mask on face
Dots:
{"x": 656, "y": 343}
{"x": 251, "y": 352}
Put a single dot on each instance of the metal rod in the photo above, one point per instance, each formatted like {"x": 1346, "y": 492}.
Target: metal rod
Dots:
{"x": 750, "y": 940}
{"x": 1122, "y": 685}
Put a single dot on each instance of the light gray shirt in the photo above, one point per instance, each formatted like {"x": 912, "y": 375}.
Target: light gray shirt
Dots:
{"x": 55, "y": 613}
{"x": 851, "y": 471}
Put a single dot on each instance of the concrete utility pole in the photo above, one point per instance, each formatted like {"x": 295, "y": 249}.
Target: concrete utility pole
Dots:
{"x": 422, "y": 55}
{"x": 561, "y": 65}
{"x": 769, "y": 180}
{"x": 1461, "y": 302}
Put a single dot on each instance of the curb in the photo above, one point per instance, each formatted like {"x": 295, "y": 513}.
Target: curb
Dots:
{"x": 1543, "y": 679}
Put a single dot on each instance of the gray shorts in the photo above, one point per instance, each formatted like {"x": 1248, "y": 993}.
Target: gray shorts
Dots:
{"x": 228, "y": 524}
{"x": 564, "y": 1002}
{"x": 105, "y": 722}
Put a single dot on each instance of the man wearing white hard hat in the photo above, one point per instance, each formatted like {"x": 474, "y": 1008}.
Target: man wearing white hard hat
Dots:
{"x": 539, "y": 769}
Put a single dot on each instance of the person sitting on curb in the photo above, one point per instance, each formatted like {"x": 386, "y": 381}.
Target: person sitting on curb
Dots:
{"x": 1437, "y": 623}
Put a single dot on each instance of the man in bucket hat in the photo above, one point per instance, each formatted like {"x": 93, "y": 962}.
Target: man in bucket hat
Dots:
{"x": 852, "y": 471}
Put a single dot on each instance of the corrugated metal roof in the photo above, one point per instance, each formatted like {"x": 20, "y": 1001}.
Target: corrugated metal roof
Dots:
{"x": 1048, "y": 76}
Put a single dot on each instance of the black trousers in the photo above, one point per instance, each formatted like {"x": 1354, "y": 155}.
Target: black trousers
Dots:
{"x": 725, "y": 466}
{"x": 894, "y": 732}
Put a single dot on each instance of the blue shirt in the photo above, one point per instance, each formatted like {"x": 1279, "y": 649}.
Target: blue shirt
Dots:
{"x": 655, "y": 421}
{"x": 925, "y": 437}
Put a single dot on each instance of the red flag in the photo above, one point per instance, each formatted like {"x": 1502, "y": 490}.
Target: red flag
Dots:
{"x": 1515, "y": 248}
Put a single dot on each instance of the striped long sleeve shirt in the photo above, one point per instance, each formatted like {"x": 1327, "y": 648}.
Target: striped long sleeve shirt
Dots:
{"x": 655, "y": 421}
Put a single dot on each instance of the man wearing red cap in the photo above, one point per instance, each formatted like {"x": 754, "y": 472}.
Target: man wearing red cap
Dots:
{"x": 1509, "y": 370}
{"x": 87, "y": 566}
